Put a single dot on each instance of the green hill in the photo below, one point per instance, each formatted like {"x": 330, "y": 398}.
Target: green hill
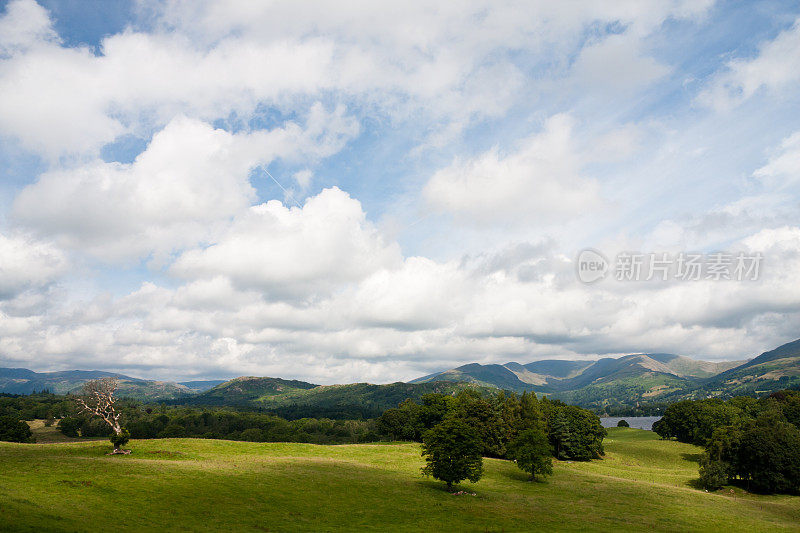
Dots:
{"x": 642, "y": 484}
{"x": 24, "y": 381}
{"x": 629, "y": 381}
{"x": 773, "y": 370}
{"x": 298, "y": 399}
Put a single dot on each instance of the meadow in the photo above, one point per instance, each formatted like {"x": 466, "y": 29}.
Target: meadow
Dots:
{"x": 196, "y": 484}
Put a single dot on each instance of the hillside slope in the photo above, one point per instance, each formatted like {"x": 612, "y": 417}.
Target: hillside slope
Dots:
{"x": 298, "y": 399}
{"x": 24, "y": 381}
{"x": 642, "y": 484}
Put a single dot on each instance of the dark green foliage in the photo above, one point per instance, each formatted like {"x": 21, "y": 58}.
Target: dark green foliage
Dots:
{"x": 769, "y": 457}
{"x": 694, "y": 421}
{"x": 452, "y": 451}
{"x": 12, "y": 429}
{"x": 532, "y": 452}
{"x": 121, "y": 439}
{"x": 713, "y": 474}
{"x": 486, "y": 417}
{"x": 70, "y": 425}
{"x": 747, "y": 440}
{"x": 623, "y": 424}
{"x": 575, "y": 433}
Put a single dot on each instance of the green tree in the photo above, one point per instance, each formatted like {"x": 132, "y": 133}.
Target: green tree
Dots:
{"x": 532, "y": 452}
{"x": 713, "y": 474}
{"x": 623, "y": 424}
{"x": 769, "y": 457}
{"x": 560, "y": 435}
{"x": 452, "y": 451}
{"x": 12, "y": 429}
{"x": 69, "y": 426}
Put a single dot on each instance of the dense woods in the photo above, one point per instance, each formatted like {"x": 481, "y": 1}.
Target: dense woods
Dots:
{"x": 573, "y": 433}
{"x": 752, "y": 442}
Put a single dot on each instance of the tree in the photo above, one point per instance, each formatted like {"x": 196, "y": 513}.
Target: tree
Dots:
{"x": 623, "y": 424}
{"x": 98, "y": 399}
{"x": 452, "y": 451}
{"x": 12, "y": 429}
{"x": 69, "y": 426}
{"x": 532, "y": 451}
{"x": 713, "y": 474}
{"x": 769, "y": 457}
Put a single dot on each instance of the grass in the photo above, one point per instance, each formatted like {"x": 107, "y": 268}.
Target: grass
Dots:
{"x": 191, "y": 485}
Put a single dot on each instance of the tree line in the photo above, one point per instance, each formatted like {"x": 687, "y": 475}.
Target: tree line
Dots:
{"x": 458, "y": 431}
{"x": 751, "y": 442}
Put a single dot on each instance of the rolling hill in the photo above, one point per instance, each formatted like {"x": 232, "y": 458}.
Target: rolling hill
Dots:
{"x": 610, "y": 385}
{"x": 298, "y": 399}
{"x": 24, "y": 381}
{"x": 618, "y": 383}
{"x": 557, "y": 375}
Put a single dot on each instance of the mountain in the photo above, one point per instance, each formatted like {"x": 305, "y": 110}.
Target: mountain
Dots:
{"x": 246, "y": 389}
{"x": 631, "y": 380}
{"x": 24, "y": 381}
{"x": 558, "y": 375}
{"x": 606, "y": 385}
{"x": 770, "y": 371}
{"x": 298, "y": 399}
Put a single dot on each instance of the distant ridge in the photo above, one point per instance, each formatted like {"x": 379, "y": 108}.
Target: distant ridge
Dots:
{"x": 604, "y": 385}
{"x": 24, "y": 381}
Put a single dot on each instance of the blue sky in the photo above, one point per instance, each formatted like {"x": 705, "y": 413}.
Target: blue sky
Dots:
{"x": 445, "y": 166}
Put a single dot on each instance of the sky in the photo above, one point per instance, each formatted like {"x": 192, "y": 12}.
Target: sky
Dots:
{"x": 374, "y": 191}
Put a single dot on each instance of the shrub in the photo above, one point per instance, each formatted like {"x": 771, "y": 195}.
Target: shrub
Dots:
{"x": 121, "y": 439}
{"x": 623, "y": 424}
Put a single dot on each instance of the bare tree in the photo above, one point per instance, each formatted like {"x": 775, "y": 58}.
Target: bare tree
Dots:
{"x": 98, "y": 399}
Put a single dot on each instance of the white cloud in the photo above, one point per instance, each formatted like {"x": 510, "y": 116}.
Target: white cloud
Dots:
{"x": 185, "y": 187}
{"x": 23, "y": 25}
{"x": 446, "y": 63}
{"x": 783, "y": 169}
{"x": 295, "y": 251}
{"x": 775, "y": 68}
{"x": 616, "y": 66}
{"x": 540, "y": 183}
{"x": 26, "y": 263}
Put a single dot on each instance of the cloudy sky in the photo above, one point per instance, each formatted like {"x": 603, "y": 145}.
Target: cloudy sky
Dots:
{"x": 364, "y": 191}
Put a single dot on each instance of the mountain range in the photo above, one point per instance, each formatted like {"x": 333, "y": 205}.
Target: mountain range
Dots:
{"x": 606, "y": 385}
{"x": 24, "y": 381}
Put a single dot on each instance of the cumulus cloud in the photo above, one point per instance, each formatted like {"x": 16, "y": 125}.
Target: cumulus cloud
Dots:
{"x": 295, "y": 251}
{"x": 26, "y": 263}
{"x": 406, "y": 318}
{"x": 189, "y": 182}
{"x": 318, "y": 291}
{"x": 210, "y": 59}
{"x": 776, "y": 67}
{"x": 540, "y": 183}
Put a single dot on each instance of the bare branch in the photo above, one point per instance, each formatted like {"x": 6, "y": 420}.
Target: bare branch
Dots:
{"x": 98, "y": 399}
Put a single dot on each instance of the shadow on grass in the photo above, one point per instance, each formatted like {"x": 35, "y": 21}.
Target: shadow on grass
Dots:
{"x": 441, "y": 487}
{"x": 519, "y": 475}
{"x": 692, "y": 457}
{"x": 695, "y": 484}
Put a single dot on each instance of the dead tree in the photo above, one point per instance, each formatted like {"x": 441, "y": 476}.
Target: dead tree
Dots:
{"x": 98, "y": 399}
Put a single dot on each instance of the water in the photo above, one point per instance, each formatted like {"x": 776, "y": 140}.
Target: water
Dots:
{"x": 638, "y": 422}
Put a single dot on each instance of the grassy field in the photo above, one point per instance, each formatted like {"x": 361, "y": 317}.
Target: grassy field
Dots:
{"x": 191, "y": 485}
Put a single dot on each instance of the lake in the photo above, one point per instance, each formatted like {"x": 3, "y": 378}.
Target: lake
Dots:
{"x": 638, "y": 422}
